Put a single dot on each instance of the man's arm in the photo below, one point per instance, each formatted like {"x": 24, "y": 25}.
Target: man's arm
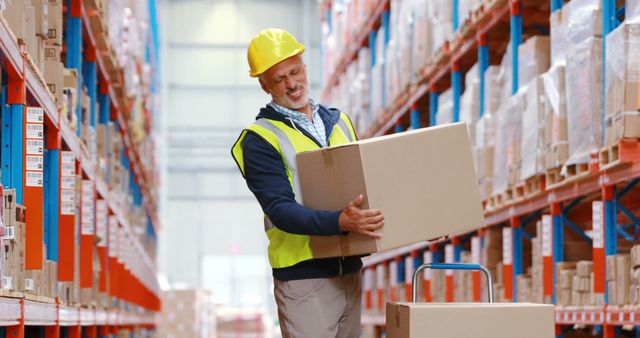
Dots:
{"x": 267, "y": 178}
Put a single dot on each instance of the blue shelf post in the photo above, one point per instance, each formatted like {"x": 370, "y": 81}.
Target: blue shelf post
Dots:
{"x": 13, "y": 134}
{"x": 516, "y": 40}
{"x": 52, "y": 192}
{"x": 558, "y": 239}
{"x": 399, "y": 127}
{"x": 517, "y": 253}
{"x": 90, "y": 75}
{"x": 456, "y": 15}
{"x": 103, "y": 118}
{"x": 415, "y": 117}
{"x": 433, "y": 105}
{"x": 556, "y": 5}
{"x": 74, "y": 49}
{"x": 483, "y": 63}
{"x": 609, "y": 22}
{"x": 387, "y": 35}
{"x": 456, "y": 83}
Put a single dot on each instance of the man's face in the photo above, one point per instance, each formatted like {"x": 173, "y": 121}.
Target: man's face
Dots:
{"x": 287, "y": 83}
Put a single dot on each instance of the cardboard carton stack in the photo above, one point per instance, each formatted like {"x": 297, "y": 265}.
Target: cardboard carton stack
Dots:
{"x": 187, "y": 313}
{"x": 533, "y": 58}
{"x": 634, "y": 292}
{"x": 463, "y": 290}
{"x": 565, "y": 271}
{"x": 582, "y": 284}
{"x": 619, "y": 279}
{"x": 583, "y": 78}
{"x": 621, "y": 83}
{"x": 53, "y": 67}
{"x": 70, "y": 97}
{"x": 533, "y": 130}
{"x": 537, "y": 291}
{"x": 498, "y": 285}
{"x": 445, "y": 107}
{"x": 556, "y": 146}
{"x": 470, "y": 102}
{"x": 13, "y": 243}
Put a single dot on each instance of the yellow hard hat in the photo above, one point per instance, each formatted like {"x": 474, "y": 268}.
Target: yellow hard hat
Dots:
{"x": 270, "y": 47}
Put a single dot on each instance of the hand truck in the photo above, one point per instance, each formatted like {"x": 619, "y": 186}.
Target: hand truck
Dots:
{"x": 451, "y": 266}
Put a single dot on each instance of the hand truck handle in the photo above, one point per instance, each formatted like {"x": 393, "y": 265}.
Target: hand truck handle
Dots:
{"x": 451, "y": 266}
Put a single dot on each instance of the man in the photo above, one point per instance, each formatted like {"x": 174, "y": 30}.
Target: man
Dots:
{"x": 315, "y": 297}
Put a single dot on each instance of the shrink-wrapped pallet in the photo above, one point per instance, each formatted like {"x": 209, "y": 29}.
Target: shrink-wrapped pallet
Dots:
{"x": 533, "y": 130}
{"x": 584, "y": 83}
{"x": 622, "y": 71}
{"x": 555, "y": 110}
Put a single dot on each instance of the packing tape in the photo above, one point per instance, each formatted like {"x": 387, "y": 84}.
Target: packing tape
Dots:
{"x": 345, "y": 248}
{"x": 328, "y": 160}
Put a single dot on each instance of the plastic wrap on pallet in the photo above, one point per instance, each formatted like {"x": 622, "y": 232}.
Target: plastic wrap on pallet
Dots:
{"x": 470, "y": 102}
{"x": 622, "y": 71}
{"x": 584, "y": 20}
{"x": 500, "y": 165}
{"x": 533, "y": 58}
{"x": 555, "y": 110}
{"x": 422, "y": 37}
{"x": 484, "y": 153}
{"x": 391, "y": 75}
{"x": 532, "y": 147}
{"x": 505, "y": 75}
{"x": 516, "y": 108}
{"x": 492, "y": 89}
{"x": 583, "y": 80}
{"x": 445, "y": 108}
{"x": 558, "y": 27}
{"x": 632, "y": 11}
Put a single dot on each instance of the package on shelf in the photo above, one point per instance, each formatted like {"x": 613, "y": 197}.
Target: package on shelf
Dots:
{"x": 491, "y": 254}
{"x": 537, "y": 291}
{"x": 13, "y": 244}
{"x": 507, "y": 144}
{"x": 558, "y": 35}
{"x": 619, "y": 288}
{"x": 440, "y": 13}
{"x": 492, "y": 90}
{"x": 465, "y": 8}
{"x": 533, "y": 58}
{"x": 565, "y": 271}
{"x": 391, "y": 76}
{"x": 584, "y": 20}
{"x": 54, "y": 71}
{"x": 187, "y": 313}
{"x": 15, "y": 13}
{"x": 622, "y": 75}
{"x": 42, "y": 18}
{"x": 533, "y": 129}
{"x": 505, "y": 75}
{"x": 470, "y": 102}
{"x": 422, "y": 51}
{"x": 70, "y": 97}
{"x": 54, "y": 34}
{"x": 463, "y": 281}
{"x": 378, "y": 86}
{"x": 583, "y": 79}
{"x": 9, "y": 207}
{"x": 484, "y": 153}
{"x": 555, "y": 110}
{"x": 445, "y": 107}
{"x": 524, "y": 288}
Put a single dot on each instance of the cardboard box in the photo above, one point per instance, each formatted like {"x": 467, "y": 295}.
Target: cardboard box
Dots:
{"x": 54, "y": 75}
{"x": 533, "y": 58}
{"x": 15, "y": 14}
{"x": 42, "y": 17}
{"x": 423, "y": 181}
{"x": 506, "y": 320}
{"x": 55, "y": 23}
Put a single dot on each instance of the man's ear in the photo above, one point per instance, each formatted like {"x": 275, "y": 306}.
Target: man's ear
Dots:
{"x": 264, "y": 86}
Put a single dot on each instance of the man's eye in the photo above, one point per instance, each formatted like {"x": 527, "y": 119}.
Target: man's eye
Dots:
{"x": 295, "y": 71}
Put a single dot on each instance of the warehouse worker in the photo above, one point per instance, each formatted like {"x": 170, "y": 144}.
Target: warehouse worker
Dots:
{"x": 315, "y": 297}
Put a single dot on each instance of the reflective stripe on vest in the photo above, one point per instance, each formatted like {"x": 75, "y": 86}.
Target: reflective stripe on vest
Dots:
{"x": 287, "y": 249}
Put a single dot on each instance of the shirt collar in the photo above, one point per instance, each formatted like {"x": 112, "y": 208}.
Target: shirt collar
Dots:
{"x": 294, "y": 113}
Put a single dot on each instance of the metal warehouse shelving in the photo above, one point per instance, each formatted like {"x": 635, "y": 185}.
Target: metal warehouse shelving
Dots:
{"x": 132, "y": 277}
{"x": 570, "y": 203}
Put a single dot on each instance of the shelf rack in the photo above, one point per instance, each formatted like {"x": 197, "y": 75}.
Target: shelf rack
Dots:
{"x": 135, "y": 283}
{"x": 483, "y": 39}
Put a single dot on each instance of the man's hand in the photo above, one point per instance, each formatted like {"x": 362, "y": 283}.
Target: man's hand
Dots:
{"x": 360, "y": 221}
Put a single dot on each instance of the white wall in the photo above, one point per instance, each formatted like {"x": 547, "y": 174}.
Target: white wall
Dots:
{"x": 212, "y": 232}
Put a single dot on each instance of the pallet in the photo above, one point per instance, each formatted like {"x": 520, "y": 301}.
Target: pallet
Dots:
{"x": 501, "y": 199}
{"x": 553, "y": 176}
{"x": 530, "y": 187}
{"x": 39, "y": 299}
{"x": 11, "y": 294}
{"x": 622, "y": 152}
{"x": 576, "y": 170}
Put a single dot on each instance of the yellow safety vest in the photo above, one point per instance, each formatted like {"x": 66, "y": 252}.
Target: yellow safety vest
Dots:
{"x": 286, "y": 249}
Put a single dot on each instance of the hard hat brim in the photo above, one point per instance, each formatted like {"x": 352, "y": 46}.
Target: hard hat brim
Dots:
{"x": 293, "y": 53}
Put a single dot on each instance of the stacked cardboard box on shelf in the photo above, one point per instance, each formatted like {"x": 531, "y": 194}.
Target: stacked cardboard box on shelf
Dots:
{"x": 555, "y": 117}
{"x": 621, "y": 83}
{"x": 463, "y": 289}
{"x": 582, "y": 284}
{"x": 565, "y": 271}
{"x": 533, "y": 132}
{"x": 634, "y": 292}
{"x": 13, "y": 243}
{"x": 618, "y": 278}
{"x": 187, "y": 313}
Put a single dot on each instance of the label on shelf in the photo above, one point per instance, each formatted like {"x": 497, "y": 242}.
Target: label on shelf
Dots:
{"x": 35, "y": 131}
{"x": 35, "y": 162}
{"x": 67, "y": 208}
{"x": 87, "y": 229}
{"x": 408, "y": 270}
{"x": 428, "y": 258}
{"x": 101, "y": 222}
{"x": 507, "y": 246}
{"x": 68, "y": 183}
{"x": 67, "y": 195}
{"x": 475, "y": 250}
{"x": 34, "y": 178}
{"x": 368, "y": 279}
{"x": 35, "y": 115}
{"x": 9, "y": 233}
{"x": 448, "y": 257}
{"x": 35, "y": 147}
{"x": 67, "y": 157}
{"x": 380, "y": 276}
{"x": 547, "y": 238}
{"x": 28, "y": 284}
{"x": 598, "y": 224}
{"x": 112, "y": 233}
{"x": 68, "y": 170}
{"x": 7, "y": 282}
{"x": 393, "y": 274}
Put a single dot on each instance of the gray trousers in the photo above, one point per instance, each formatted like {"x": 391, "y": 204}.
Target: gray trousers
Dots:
{"x": 319, "y": 308}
